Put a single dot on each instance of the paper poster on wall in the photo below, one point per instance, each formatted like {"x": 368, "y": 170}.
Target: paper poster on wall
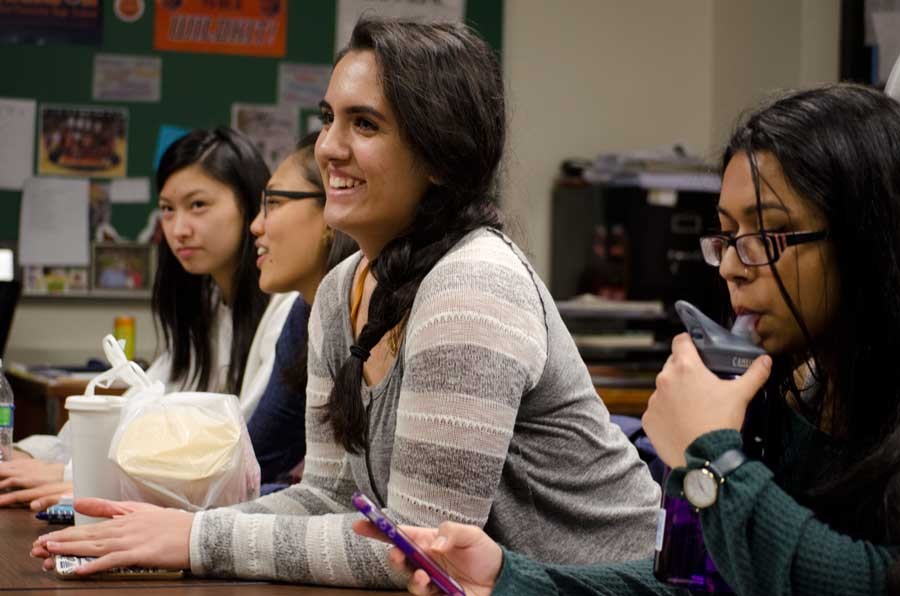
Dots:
{"x": 50, "y": 21}
{"x": 302, "y": 85}
{"x": 129, "y": 190}
{"x": 312, "y": 121}
{"x": 887, "y": 34}
{"x": 83, "y": 141}
{"x": 100, "y": 211}
{"x": 16, "y": 142}
{"x": 168, "y": 134}
{"x": 273, "y": 129}
{"x": 242, "y": 27}
{"x": 53, "y": 222}
{"x": 122, "y": 77}
{"x": 429, "y": 11}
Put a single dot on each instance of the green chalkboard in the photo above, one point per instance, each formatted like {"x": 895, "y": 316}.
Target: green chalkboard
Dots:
{"x": 197, "y": 89}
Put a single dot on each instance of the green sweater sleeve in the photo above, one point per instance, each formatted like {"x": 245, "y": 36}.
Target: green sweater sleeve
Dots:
{"x": 521, "y": 576}
{"x": 764, "y": 542}
{"x": 761, "y": 539}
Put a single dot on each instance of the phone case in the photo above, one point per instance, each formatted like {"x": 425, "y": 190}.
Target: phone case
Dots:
{"x": 414, "y": 554}
{"x": 64, "y": 568}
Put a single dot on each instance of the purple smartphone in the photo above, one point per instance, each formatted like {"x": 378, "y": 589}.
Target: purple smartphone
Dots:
{"x": 416, "y": 557}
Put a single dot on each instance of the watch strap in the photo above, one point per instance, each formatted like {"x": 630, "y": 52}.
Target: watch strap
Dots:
{"x": 727, "y": 463}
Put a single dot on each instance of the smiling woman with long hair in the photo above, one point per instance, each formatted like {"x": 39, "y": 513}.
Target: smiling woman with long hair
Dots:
{"x": 442, "y": 381}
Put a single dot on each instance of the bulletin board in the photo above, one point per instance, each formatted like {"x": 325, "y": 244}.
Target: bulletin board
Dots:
{"x": 197, "y": 89}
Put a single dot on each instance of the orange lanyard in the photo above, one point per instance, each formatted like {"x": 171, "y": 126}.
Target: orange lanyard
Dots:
{"x": 356, "y": 298}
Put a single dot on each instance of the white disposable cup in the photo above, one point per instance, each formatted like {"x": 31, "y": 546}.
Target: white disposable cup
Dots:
{"x": 93, "y": 420}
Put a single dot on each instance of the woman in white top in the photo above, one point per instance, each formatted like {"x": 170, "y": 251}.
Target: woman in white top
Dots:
{"x": 206, "y": 295}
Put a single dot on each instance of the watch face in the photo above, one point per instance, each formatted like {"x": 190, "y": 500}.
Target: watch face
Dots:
{"x": 700, "y": 488}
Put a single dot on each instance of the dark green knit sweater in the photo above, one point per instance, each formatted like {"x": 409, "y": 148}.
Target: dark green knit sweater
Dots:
{"x": 762, "y": 541}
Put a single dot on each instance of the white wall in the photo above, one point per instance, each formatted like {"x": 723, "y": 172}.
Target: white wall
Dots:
{"x": 586, "y": 76}
{"x": 765, "y": 46}
{"x": 583, "y": 76}
{"x": 59, "y": 331}
{"x": 590, "y": 76}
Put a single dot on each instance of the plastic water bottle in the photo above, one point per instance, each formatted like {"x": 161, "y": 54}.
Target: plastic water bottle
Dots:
{"x": 7, "y": 408}
{"x": 681, "y": 556}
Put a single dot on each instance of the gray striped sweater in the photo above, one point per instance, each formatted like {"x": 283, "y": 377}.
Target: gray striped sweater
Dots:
{"x": 487, "y": 417}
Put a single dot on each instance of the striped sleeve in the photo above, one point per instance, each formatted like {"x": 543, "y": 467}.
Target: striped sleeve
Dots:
{"x": 476, "y": 343}
{"x": 301, "y": 534}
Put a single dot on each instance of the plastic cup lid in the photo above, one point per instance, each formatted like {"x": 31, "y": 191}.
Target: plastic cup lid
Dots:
{"x": 94, "y": 403}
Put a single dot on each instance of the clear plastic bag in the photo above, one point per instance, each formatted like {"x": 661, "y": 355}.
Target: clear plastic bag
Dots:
{"x": 189, "y": 450}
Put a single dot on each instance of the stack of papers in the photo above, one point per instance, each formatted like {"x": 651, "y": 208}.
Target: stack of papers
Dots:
{"x": 671, "y": 168}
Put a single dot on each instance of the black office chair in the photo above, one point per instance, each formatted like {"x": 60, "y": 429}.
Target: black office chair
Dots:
{"x": 9, "y": 297}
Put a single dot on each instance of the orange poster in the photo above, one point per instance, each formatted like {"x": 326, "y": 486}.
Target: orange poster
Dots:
{"x": 245, "y": 27}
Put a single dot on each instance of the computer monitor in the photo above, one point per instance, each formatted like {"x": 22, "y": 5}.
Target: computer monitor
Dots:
{"x": 892, "y": 87}
{"x": 7, "y": 264}
{"x": 9, "y": 297}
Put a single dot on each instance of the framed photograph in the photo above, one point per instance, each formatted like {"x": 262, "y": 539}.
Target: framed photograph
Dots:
{"x": 82, "y": 141}
{"x": 125, "y": 267}
{"x": 44, "y": 279}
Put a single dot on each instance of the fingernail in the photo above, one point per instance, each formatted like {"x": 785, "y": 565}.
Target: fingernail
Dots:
{"x": 439, "y": 542}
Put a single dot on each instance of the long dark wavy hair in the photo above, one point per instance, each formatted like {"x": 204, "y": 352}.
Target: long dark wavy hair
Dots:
{"x": 445, "y": 85}
{"x": 184, "y": 303}
{"x": 342, "y": 246}
{"x": 839, "y": 149}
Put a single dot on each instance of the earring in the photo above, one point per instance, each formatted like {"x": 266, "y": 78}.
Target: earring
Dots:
{"x": 328, "y": 236}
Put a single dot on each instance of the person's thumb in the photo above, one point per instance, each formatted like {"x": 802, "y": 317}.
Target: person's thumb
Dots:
{"x": 755, "y": 377}
{"x": 455, "y": 535}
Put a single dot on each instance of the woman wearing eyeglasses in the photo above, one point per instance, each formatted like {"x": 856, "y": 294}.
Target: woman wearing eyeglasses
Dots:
{"x": 295, "y": 249}
{"x": 810, "y": 251}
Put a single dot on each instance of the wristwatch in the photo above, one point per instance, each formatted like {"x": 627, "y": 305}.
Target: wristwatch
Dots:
{"x": 701, "y": 485}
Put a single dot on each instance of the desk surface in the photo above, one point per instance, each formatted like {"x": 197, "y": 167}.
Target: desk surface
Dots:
{"x": 18, "y": 571}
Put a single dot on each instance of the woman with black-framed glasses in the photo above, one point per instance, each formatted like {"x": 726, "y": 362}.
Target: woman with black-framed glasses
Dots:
{"x": 272, "y": 198}
{"x": 756, "y": 248}
{"x": 810, "y": 202}
{"x": 295, "y": 249}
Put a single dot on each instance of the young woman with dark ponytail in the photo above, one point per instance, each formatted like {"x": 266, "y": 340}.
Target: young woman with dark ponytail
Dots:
{"x": 810, "y": 250}
{"x": 441, "y": 380}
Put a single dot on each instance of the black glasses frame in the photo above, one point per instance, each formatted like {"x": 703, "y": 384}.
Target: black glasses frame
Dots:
{"x": 774, "y": 243}
{"x": 295, "y": 195}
